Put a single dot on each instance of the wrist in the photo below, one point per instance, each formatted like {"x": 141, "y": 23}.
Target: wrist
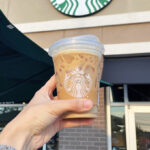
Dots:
{"x": 15, "y": 136}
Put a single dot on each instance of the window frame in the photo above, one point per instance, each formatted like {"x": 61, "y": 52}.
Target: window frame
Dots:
{"x": 129, "y": 117}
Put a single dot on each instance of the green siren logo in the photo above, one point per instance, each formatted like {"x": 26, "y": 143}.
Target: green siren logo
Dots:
{"x": 79, "y": 7}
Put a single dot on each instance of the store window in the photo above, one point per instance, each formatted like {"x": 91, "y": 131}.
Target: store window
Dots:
{"x": 117, "y": 117}
{"x": 142, "y": 122}
{"x": 117, "y": 94}
{"x": 128, "y": 117}
{"x": 139, "y": 93}
{"x": 118, "y": 128}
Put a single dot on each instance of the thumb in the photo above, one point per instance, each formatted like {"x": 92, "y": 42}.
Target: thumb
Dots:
{"x": 59, "y": 107}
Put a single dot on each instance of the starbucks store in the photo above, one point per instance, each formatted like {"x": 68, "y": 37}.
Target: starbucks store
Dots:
{"x": 123, "y": 121}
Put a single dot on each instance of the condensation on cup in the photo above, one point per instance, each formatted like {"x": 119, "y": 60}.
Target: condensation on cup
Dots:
{"x": 77, "y": 69}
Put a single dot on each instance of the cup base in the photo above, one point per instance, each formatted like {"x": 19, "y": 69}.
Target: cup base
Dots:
{"x": 93, "y": 113}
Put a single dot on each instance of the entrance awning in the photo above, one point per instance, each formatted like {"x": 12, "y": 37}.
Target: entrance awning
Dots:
{"x": 24, "y": 66}
{"x": 131, "y": 70}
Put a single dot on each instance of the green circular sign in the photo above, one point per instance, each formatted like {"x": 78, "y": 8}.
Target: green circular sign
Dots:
{"x": 79, "y": 7}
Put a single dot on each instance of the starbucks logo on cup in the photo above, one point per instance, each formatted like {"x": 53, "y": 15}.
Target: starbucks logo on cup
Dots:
{"x": 79, "y": 7}
{"x": 77, "y": 83}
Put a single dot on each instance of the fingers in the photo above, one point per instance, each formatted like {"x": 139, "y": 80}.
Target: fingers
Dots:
{"x": 68, "y": 123}
{"x": 59, "y": 107}
{"x": 50, "y": 86}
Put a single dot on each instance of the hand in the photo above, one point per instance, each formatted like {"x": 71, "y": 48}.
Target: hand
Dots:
{"x": 42, "y": 118}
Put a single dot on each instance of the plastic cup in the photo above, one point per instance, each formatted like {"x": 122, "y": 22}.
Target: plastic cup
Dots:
{"x": 77, "y": 69}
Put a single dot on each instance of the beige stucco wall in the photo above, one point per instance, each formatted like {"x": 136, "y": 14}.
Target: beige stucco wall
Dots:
{"x": 107, "y": 35}
{"x": 23, "y": 11}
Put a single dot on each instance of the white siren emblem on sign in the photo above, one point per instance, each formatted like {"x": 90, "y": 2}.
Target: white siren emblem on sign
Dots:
{"x": 79, "y": 7}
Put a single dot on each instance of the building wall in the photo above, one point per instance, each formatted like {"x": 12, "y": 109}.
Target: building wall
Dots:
{"x": 107, "y": 35}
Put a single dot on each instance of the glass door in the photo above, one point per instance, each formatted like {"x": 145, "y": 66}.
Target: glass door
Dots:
{"x": 138, "y": 120}
{"x": 142, "y": 124}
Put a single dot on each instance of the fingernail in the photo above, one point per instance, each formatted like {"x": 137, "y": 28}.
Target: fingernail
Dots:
{"x": 88, "y": 104}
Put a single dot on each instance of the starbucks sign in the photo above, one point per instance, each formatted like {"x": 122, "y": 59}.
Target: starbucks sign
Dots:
{"x": 79, "y": 7}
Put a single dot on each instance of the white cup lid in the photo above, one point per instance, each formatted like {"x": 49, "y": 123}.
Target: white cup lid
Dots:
{"x": 90, "y": 42}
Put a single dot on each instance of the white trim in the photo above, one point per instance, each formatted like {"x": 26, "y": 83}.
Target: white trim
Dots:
{"x": 140, "y": 109}
{"x": 116, "y": 104}
{"x": 127, "y": 127}
{"x": 138, "y": 103}
{"x": 131, "y": 130}
{"x": 131, "y": 117}
{"x": 125, "y": 49}
{"x": 130, "y": 104}
{"x": 108, "y": 123}
{"x": 86, "y": 22}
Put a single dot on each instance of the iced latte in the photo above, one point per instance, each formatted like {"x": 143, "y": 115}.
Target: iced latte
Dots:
{"x": 77, "y": 73}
